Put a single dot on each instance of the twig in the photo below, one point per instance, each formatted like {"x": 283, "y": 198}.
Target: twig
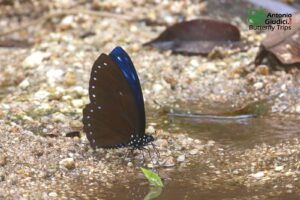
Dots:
{"x": 66, "y": 12}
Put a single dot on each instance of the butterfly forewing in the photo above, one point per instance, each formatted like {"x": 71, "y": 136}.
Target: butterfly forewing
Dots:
{"x": 125, "y": 64}
{"x": 112, "y": 116}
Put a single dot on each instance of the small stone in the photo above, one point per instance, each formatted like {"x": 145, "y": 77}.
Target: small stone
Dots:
{"x": 75, "y": 123}
{"x": 67, "y": 163}
{"x": 258, "y": 175}
{"x": 194, "y": 151}
{"x": 24, "y": 84}
{"x": 150, "y": 130}
{"x": 70, "y": 79}
{"x": 161, "y": 143}
{"x": 54, "y": 75}
{"x": 77, "y": 103}
{"x": 3, "y": 160}
{"x": 157, "y": 87}
{"x": 289, "y": 186}
{"x": 194, "y": 63}
{"x": 211, "y": 143}
{"x": 297, "y": 108}
{"x": 2, "y": 177}
{"x": 258, "y": 85}
{"x": 52, "y": 194}
{"x": 129, "y": 164}
{"x": 263, "y": 70}
{"x": 278, "y": 168}
{"x": 180, "y": 158}
{"x": 67, "y": 22}
{"x": 168, "y": 162}
{"x": 41, "y": 94}
{"x": 35, "y": 59}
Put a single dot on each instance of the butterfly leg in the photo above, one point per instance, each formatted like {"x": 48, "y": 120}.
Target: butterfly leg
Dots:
{"x": 156, "y": 151}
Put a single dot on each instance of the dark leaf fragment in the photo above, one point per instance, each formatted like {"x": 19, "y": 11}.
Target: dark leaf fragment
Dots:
{"x": 197, "y": 36}
{"x": 284, "y": 45}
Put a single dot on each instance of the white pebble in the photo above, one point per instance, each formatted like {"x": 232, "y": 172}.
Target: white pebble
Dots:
{"x": 278, "y": 168}
{"x": 258, "y": 175}
{"x": 35, "y": 59}
{"x": 258, "y": 85}
{"x": 180, "y": 158}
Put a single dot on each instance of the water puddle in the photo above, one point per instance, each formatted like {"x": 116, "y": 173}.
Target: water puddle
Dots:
{"x": 236, "y": 134}
{"x": 192, "y": 182}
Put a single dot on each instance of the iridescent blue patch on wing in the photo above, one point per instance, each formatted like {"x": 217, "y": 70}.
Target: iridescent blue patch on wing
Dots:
{"x": 125, "y": 64}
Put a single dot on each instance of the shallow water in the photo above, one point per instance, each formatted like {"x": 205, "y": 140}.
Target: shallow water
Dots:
{"x": 183, "y": 183}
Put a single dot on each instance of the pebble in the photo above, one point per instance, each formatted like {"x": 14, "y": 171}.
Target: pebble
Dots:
{"x": 3, "y": 160}
{"x": 41, "y": 94}
{"x": 258, "y": 85}
{"x": 78, "y": 103}
{"x": 258, "y": 175}
{"x": 194, "y": 63}
{"x": 180, "y": 158}
{"x": 35, "y": 59}
{"x": 52, "y": 194}
{"x": 67, "y": 22}
{"x": 70, "y": 79}
{"x": 24, "y": 84}
{"x": 168, "y": 162}
{"x": 150, "y": 130}
{"x": 297, "y": 108}
{"x": 54, "y": 75}
{"x": 193, "y": 151}
{"x": 157, "y": 87}
{"x": 67, "y": 163}
{"x": 278, "y": 168}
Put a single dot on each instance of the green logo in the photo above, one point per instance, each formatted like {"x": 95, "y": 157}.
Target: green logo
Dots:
{"x": 257, "y": 17}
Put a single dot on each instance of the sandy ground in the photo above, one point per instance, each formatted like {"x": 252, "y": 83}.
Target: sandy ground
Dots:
{"x": 44, "y": 89}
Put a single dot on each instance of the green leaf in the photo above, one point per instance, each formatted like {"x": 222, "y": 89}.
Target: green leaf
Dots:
{"x": 152, "y": 177}
{"x": 153, "y": 193}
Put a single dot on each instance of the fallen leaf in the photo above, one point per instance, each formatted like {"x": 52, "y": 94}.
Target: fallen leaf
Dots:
{"x": 198, "y": 36}
{"x": 10, "y": 43}
{"x": 152, "y": 177}
{"x": 284, "y": 45}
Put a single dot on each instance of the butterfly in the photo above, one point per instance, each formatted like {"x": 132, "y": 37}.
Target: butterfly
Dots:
{"x": 115, "y": 116}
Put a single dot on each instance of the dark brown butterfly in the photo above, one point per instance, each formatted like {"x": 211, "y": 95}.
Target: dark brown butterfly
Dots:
{"x": 115, "y": 116}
